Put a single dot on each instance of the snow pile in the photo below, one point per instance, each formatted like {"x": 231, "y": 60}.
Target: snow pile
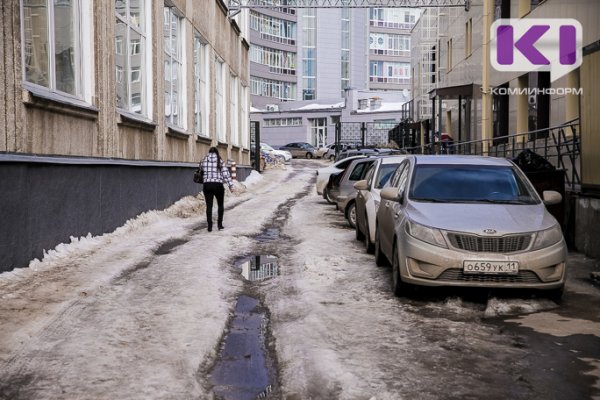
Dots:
{"x": 252, "y": 179}
{"x": 189, "y": 206}
{"x": 498, "y": 307}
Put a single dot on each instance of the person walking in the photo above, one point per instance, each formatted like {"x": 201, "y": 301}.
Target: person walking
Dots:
{"x": 215, "y": 173}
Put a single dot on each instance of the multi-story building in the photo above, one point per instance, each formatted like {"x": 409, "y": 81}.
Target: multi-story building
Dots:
{"x": 106, "y": 109}
{"x": 315, "y": 55}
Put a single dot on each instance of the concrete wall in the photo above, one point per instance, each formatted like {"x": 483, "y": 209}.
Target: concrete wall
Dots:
{"x": 46, "y": 201}
{"x": 587, "y": 225}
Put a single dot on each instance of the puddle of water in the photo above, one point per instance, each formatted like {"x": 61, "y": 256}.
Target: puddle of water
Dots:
{"x": 258, "y": 267}
{"x": 268, "y": 235}
{"x": 243, "y": 370}
{"x": 169, "y": 245}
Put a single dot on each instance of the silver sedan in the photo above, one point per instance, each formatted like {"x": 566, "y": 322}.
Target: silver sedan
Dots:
{"x": 469, "y": 221}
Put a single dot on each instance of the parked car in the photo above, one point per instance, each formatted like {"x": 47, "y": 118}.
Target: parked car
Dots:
{"x": 469, "y": 221}
{"x": 284, "y": 154}
{"x": 330, "y": 153}
{"x": 350, "y": 153}
{"x": 300, "y": 149}
{"x": 324, "y": 173}
{"x": 343, "y": 191}
{"x": 321, "y": 151}
{"x": 368, "y": 198}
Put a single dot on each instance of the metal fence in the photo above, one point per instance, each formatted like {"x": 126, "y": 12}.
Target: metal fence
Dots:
{"x": 560, "y": 145}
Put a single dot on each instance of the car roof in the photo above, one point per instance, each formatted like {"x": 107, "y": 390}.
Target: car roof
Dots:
{"x": 393, "y": 159}
{"x": 465, "y": 160}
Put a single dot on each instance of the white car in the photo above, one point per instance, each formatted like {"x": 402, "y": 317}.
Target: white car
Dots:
{"x": 286, "y": 155}
{"x": 324, "y": 173}
{"x": 368, "y": 197}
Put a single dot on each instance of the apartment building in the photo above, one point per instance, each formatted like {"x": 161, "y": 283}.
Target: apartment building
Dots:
{"x": 106, "y": 109}
{"x": 311, "y": 57}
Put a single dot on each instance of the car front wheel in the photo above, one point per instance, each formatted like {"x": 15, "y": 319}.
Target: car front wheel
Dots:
{"x": 351, "y": 214}
{"x": 309, "y": 155}
{"x": 380, "y": 259}
{"x": 369, "y": 246}
{"x": 359, "y": 234}
{"x": 398, "y": 287}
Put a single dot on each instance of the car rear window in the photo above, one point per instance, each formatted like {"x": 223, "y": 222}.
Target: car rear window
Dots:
{"x": 469, "y": 183}
{"x": 384, "y": 174}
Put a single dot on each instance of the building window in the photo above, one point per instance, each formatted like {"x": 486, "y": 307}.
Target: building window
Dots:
{"x": 539, "y": 104}
{"x": 396, "y": 18}
{"x": 469, "y": 37}
{"x": 345, "y": 54}
{"x": 131, "y": 41}
{"x": 279, "y": 61}
{"x": 220, "y": 100}
{"x": 244, "y": 116}
{"x": 201, "y": 97}
{"x": 309, "y": 50}
{"x": 500, "y": 115}
{"x": 233, "y": 109}
{"x": 273, "y": 29}
{"x": 272, "y": 122}
{"x": 174, "y": 73}
{"x": 52, "y": 50}
{"x": 389, "y": 44}
{"x": 389, "y": 72}
{"x": 284, "y": 91}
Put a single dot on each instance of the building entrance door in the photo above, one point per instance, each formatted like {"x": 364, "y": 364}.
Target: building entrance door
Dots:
{"x": 318, "y": 128}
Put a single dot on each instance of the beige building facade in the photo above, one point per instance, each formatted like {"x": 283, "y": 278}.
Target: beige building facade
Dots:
{"x": 106, "y": 107}
{"x": 130, "y": 79}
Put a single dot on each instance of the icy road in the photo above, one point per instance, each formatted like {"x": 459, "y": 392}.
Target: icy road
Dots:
{"x": 146, "y": 312}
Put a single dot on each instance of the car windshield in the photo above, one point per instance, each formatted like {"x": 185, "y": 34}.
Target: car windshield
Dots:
{"x": 469, "y": 184}
{"x": 384, "y": 174}
{"x": 266, "y": 146}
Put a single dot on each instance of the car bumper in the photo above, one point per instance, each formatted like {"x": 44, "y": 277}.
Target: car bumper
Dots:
{"x": 429, "y": 265}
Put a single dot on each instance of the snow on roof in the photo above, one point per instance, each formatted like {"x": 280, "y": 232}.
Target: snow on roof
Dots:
{"x": 384, "y": 107}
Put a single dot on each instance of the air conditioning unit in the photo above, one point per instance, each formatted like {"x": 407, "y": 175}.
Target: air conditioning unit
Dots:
{"x": 272, "y": 107}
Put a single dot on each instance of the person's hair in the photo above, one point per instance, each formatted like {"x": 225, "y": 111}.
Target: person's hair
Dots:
{"x": 219, "y": 159}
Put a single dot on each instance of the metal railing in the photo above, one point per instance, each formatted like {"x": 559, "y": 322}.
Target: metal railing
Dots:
{"x": 560, "y": 145}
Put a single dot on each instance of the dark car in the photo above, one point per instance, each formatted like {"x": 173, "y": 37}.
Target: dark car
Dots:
{"x": 300, "y": 149}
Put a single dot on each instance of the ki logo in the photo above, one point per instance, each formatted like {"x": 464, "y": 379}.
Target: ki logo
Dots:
{"x": 524, "y": 45}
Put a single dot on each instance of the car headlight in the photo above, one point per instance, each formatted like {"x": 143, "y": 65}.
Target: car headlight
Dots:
{"x": 430, "y": 235}
{"x": 548, "y": 237}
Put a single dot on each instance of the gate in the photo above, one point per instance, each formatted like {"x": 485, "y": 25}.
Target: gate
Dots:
{"x": 365, "y": 134}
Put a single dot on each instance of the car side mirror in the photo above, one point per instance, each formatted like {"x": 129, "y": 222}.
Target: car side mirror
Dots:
{"x": 391, "y": 193}
{"x": 551, "y": 197}
{"x": 361, "y": 185}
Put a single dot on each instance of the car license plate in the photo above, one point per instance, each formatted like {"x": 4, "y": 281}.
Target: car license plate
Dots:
{"x": 490, "y": 267}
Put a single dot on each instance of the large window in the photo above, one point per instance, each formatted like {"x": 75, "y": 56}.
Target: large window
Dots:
{"x": 173, "y": 36}
{"x": 132, "y": 68}
{"x": 389, "y": 44}
{"x": 233, "y": 109}
{"x": 285, "y": 91}
{"x": 244, "y": 116}
{"x": 279, "y": 61}
{"x": 220, "y": 99}
{"x": 309, "y": 50}
{"x": 273, "y": 29}
{"x": 398, "y": 18}
{"x": 345, "y": 56}
{"x": 52, "y": 49}
{"x": 201, "y": 97}
{"x": 389, "y": 72}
